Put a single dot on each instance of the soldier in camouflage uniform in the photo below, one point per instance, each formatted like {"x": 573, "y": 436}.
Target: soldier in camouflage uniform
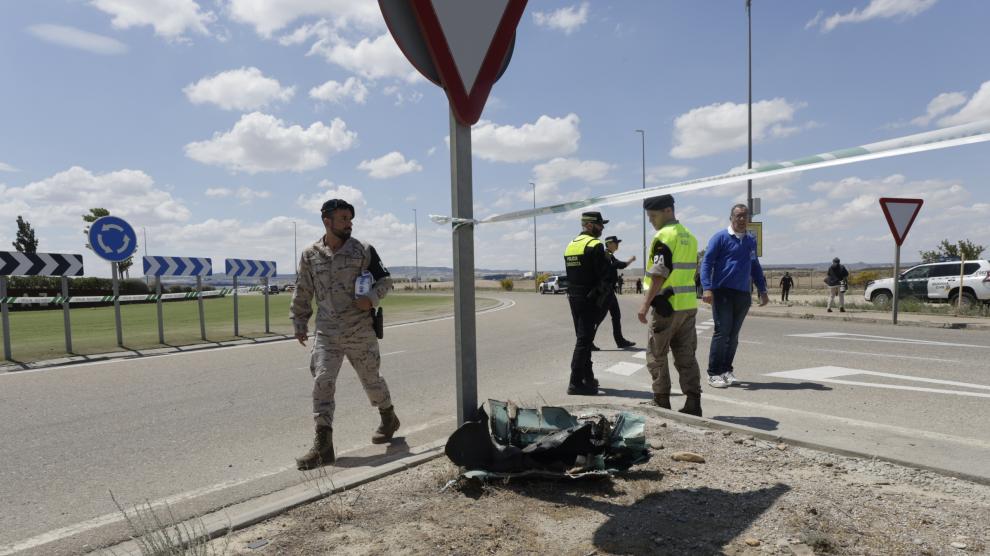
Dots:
{"x": 328, "y": 270}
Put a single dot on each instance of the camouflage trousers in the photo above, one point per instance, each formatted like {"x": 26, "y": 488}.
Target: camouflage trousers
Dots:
{"x": 675, "y": 334}
{"x": 361, "y": 348}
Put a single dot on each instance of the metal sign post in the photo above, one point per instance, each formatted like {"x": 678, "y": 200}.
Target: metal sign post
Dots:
{"x": 65, "y": 314}
{"x": 114, "y": 240}
{"x": 236, "y": 330}
{"x": 158, "y": 303}
{"x": 159, "y": 266}
{"x": 464, "y": 329}
{"x": 199, "y": 301}
{"x": 252, "y": 269}
{"x": 6, "y": 318}
{"x": 116, "y": 303}
{"x": 900, "y": 214}
{"x": 265, "y": 283}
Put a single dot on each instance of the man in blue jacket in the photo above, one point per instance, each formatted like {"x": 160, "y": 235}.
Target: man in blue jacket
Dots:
{"x": 727, "y": 271}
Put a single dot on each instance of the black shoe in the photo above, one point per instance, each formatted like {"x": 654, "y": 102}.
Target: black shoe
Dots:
{"x": 591, "y": 382}
{"x": 595, "y": 348}
{"x": 829, "y": 310}
{"x": 662, "y": 400}
{"x": 581, "y": 390}
{"x": 692, "y": 406}
{"x": 842, "y": 309}
{"x": 624, "y": 343}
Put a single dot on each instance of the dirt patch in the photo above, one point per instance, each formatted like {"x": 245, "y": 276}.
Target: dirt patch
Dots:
{"x": 749, "y": 497}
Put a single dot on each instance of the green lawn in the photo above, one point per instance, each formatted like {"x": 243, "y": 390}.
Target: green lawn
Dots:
{"x": 39, "y": 335}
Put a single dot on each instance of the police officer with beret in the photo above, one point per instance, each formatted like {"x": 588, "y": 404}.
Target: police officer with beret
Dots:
{"x": 588, "y": 293}
{"x": 614, "y": 266}
{"x": 670, "y": 291}
{"x": 348, "y": 279}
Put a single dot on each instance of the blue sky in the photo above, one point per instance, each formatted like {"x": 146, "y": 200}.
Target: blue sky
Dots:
{"x": 214, "y": 124}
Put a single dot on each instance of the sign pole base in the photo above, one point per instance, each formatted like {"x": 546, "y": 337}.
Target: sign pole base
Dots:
{"x": 65, "y": 314}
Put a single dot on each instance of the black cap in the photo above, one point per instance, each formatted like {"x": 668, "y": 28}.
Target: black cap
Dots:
{"x": 836, "y": 260}
{"x": 658, "y": 203}
{"x": 613, "y": 239}
{"x": 593, "y": 217}
{"x": 334, "y": 204}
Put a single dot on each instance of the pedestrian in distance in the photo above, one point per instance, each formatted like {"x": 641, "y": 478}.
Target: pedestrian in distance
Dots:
{"x": 348, "y": 280}
{"x": 588, "y": 293}
{"x": 728, "y": 270}
{"x": 671, "y": 292}
{"x": 639, "y": 285}
{"x": 786, "y": 283}
{"x": 611, "y": 246}
{"x": 837, "y": 284}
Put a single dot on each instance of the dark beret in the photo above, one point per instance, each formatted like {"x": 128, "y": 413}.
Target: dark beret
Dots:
{"x": 658, "y": 203}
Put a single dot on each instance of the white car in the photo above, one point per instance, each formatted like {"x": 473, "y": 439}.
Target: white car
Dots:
{"x": 554, "y": 285}
{"x": 936, "y": 282}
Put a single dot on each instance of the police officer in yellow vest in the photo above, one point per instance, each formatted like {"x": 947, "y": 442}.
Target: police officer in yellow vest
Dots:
{"x": 588, "y": 294}
{"x": 671, "y": 292}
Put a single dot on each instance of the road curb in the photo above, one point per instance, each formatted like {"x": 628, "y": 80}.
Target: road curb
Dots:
{"x": 776, "y": 438}
{"x": 873, "y": 320}
{"x": 254, "y": 511}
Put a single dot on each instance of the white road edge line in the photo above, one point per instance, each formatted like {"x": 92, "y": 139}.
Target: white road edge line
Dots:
{"x": 886, "y": 355}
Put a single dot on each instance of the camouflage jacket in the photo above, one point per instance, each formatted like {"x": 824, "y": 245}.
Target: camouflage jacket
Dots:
{"x": 330, "y": 277}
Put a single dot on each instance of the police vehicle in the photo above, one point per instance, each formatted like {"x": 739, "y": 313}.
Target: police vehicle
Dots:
{"x": 554, "y": 285}
{"x": 936, "y": 282}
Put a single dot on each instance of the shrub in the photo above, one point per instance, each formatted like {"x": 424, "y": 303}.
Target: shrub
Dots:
{"x": 859, "y": 279}
{"x": 543, "y": 277}
{"x": 507, "y": 284}
{"x": 133, "y": 286}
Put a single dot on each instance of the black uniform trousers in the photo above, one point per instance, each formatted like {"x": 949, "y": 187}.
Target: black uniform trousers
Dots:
{"x": 586, "y": 314}
{"x": 613, "y": 309}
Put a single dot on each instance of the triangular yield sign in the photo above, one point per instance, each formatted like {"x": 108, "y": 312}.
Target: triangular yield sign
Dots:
{"x": 468, "y": 41}
{"x": 900, "y": 215}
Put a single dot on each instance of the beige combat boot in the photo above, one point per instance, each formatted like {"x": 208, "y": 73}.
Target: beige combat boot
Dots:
{"x": 390, "y": 424}
{"x": 322, "y": 451}
{"x": 662, "y": 400}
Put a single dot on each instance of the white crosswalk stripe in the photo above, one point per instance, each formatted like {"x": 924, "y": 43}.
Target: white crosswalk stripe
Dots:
{"x": 624, "y": 368}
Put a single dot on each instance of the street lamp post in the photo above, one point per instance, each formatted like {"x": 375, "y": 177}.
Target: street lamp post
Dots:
{"x": 642, "y": 135}
{"x": 416, "y": 240}
{"x": 749, "y": 130}
{"x": 295, "y": 249}
{"x": 536, "y": 282}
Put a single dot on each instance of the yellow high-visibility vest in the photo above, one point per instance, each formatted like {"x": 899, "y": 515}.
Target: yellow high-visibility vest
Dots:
{"x": 684, "y": 248}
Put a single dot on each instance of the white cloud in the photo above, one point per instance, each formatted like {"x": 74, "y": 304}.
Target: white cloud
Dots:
{"x": 568, "y": 19}
{"x": 7, "y": 168}
{"x": 375, "y": 58}
{"x": 692, "y": 216}
{"x": 171, "y": 19}
{"x": 244, "y": 194}
{"x": 389, "y": 166}
{"x": 330, "y": 190}
{"x": 940, "y": 105}
{"x": 263, "y": 143}
{"x": 656, "y": 175}
{"x": 561, "y": 170}
{"x": 268, "y": 16}
{"x": 77, "y": 38}
{"x": 63, "y": 198}
{"x": 239, "y": 89}
{"x": 876, "y": 9}
{"x": 978, "y": 108}
{"x": 401, "y": 97}
{"x": 547, "y": 137}
{"x": 219, "y": 192}
{"x": 333, "y": 91}
{"x": 722, "y": 126}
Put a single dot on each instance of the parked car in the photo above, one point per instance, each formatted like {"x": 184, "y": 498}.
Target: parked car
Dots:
{"x": 273, "y": 288}
{"x": 554, "y": 285}
{"x": 936, "y": 282}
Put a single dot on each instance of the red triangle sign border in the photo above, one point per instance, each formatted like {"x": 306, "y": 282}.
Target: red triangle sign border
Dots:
{"x": 468, "y": 105}
{"x": 884, "y": 201}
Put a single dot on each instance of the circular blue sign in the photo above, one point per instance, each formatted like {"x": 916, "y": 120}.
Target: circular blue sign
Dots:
{"x": 112, "y": 238}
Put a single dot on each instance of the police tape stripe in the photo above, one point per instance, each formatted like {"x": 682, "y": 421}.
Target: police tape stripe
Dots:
{"x": 966, "y": 134}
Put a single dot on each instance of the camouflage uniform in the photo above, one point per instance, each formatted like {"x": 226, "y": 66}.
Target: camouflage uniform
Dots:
{"x": 341, "y": 328}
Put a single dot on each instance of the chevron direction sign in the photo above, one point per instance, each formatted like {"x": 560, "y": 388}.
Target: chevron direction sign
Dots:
{"x": 13, "y": 263}
{"x": 250, "y": 268}
{"x": 177, "y": 266}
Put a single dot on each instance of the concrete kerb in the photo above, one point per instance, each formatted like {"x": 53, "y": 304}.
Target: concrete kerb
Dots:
{"x": 136, "y": 353}
{"x": 251, "y": 512}
{"x": 755, "y": 312}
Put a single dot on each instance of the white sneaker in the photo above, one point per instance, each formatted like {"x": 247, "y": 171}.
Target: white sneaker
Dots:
{"x": 730, "y": 378}
{"x": 717, "y": 381}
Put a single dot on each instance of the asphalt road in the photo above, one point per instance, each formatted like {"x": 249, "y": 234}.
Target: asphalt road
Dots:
{"x": 206, "y": 429}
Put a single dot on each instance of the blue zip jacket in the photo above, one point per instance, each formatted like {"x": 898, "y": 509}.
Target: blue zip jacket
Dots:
{"x": 730, "y": 262}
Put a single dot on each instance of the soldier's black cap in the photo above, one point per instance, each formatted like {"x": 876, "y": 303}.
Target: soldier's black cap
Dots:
{"x": 593, "y": 217}
{"x": 334, "y": 204}
{"x": 658, "y": 203}
{"x": 613, "y": 239}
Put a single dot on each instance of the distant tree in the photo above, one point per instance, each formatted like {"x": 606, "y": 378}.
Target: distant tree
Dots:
{"x": 965, "y": 249}
{"x": 543, "y": 277}
{"x": 26, "y": 240}
{"x": 94, "y": 213}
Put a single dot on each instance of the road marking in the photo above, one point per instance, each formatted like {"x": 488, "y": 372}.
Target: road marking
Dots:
{"x": 104, "y": 520}
{"x": 879, "y": 339}
{"x": 830, "y": 374}
{"x": 640, "y": 355}
{"x": 624, "y": 368}
{"x": 886, "y": 355}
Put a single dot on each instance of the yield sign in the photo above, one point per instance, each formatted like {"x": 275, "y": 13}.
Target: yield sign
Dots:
{"x": 468, "y": 41}
{"x": 900, "y": 215}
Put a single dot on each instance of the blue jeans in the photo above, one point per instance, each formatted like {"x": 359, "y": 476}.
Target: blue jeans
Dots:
{"x": 729, "y": 308}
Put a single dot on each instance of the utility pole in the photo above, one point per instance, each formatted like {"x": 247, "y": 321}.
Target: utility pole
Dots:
{"x": 642, "y": 135}
{"x": 416, "y": 234}
{"x": 749, "y": 161}
{"x": 144, "y": 233}
{"x": 295, "y": 250}
{"x": 536, "y": 282}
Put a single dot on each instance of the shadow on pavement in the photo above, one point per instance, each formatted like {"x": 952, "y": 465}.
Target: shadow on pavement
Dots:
{"x": 396, "y": 449}
{"x": 761, "y": 423}
{"x": 620, "y": 393}
{"x": 749, "y": 385}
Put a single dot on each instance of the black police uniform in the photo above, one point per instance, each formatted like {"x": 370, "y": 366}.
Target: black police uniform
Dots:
{"x": 587, "y": 292}
{"x": 614, "y": 265}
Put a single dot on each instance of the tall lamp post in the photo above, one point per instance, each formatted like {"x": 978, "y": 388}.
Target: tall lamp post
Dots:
{"x": 416, "y": 236}
{"x": 749, "y": 130}
{"x": 536, "y": 281}
{"x": 295, "y": 249}
{"x": 642, "y": 135}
